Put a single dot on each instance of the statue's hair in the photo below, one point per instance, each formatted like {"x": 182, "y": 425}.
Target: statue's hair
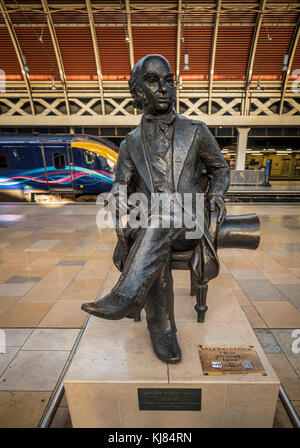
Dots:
{"x": 139, "y": 98}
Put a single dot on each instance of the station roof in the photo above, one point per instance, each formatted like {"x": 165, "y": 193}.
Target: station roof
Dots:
{"x": 227, "y": 41}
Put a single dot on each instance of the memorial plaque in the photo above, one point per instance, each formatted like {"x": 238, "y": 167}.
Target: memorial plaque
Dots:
{"x": 161, "y": 399}
{"x": 230, "y": 360}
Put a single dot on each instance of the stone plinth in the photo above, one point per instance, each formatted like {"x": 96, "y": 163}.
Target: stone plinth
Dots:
{"x": 115, "y": 359}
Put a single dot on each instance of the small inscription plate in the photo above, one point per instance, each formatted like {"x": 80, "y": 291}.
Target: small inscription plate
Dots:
{"x": 161, "y": 399}
{"x": 230, "y": 360}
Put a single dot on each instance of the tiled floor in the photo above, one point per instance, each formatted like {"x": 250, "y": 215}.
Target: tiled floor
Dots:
{"x": 53, "y": 258}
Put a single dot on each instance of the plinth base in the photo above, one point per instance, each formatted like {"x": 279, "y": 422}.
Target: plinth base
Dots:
{"x": 115, "y": 359}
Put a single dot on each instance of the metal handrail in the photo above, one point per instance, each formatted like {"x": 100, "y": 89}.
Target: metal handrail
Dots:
{"x": 289, "y": 407}
{"x": 58, "y": 392}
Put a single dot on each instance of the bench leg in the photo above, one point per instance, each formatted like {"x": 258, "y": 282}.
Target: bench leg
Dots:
{"x": 200, "y": 307}
{"x": 193, "y": 283}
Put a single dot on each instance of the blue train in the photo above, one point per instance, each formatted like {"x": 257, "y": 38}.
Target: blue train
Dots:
{"x": 55, "y": 165}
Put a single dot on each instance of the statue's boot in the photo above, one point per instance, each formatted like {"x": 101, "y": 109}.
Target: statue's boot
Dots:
{"x": 159, "y": 309}
{"x": 113, "y": 306}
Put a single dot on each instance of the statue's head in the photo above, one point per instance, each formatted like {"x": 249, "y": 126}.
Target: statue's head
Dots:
{"x": 152, "y": 85}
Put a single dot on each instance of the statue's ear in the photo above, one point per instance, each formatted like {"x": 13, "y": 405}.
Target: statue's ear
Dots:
{"x": 140, "y": 100}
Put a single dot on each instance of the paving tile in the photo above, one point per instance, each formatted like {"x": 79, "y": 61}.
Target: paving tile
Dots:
{"x": 247, "y": 274}
{"x": 253, "y": 316}
{"x": 45, "y": 292}
{"x": 295, "y": 272}
{"x": 286, "y": 374}
{"x": 289, "y": 341}
{"x": 16, "y": 337}
{"x": 15, "y": 289}
{"x": 7, "y": 357}
{"x": 61, "y": 273}
{"x": 289, "y": 262}
{"x": 287, "y": 278}
{"x": 224, "y": 280}
{"x": 51, "y": 339}
{"x": 278, "y": 314}
{"x": 230, "y": 253}
{"x": 22, "y": 279}
{"x": 6, "y": 303}
{"x": 7, "y": 271}
{"x": 296, "y": 405}
{"x": 72, "y": 263}
{"x": 241, "y": 298}
{"x": 62, "y": 418}
{"x": 24, "y": 315}
{"x": 260, "y": 290}
{"x": 237, "y": 263}
{"x": 34, "y": 370}
{"x": 267, "y": 340}
{"x": 42, "y": 246}
{"x": 92, "y": 274}
{"x": 65, "y": 314}
{"x": 281, "y": 419}
{"x": 22, "y": 409}
{"x": 291, "y": 292}
{"x": 82, "y": 289}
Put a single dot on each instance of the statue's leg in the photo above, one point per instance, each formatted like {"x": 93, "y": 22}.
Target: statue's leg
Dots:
{"x": 201, "y": 307}
{"x": 146, "y": 258}
{"x": 159, "y": 308}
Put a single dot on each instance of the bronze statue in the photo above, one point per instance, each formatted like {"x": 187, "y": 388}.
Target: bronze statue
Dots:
{"x": 166, "y": 153}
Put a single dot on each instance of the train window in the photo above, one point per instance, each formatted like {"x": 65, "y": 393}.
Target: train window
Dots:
{"x": 59, "y": 161}
{"x": 3, "y": 161}
{"x": 88, "y": 157}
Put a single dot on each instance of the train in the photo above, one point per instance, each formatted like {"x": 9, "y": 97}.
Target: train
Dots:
{"x": 37, "y": 167}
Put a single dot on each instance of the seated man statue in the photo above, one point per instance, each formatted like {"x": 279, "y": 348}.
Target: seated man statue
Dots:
{"x": 166, "y": 154}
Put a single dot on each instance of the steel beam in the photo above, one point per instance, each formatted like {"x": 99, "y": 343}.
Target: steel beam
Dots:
{"x": 19, "y": 53}
{"x": 129, "y": 31}
{"x": 57, "y": 53}
{"x": 292, "y": 51}
{"x": 213, "y": 53}
{"x": 96, "y": 52}
{"x": 133, "y": 120}
{"x": 178, "y": 52}
{"x": 253, "y": 53}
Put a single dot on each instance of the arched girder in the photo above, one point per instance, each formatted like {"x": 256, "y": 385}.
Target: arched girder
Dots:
{"x": 57, "y": 52}
{"x": 96, "y": 52}
{"x": 19, "y": 53}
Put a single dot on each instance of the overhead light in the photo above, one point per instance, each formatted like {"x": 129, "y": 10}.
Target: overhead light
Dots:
{"x": 127, "y": 39}
{"x": 285, "y": 63}
{"x": 186, "y": 62}
{"x": 53, "y": 84}
{"x": 40, "y": 39}
{"x": 258, "y": 86}
{"x": 26, "y": 68}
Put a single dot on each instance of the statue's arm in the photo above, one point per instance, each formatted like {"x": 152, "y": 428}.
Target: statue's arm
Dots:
{"x": 123, "y": 177}
{"x": 217, "y": 169}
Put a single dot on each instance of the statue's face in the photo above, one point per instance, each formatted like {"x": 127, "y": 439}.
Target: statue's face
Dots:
{"x": 158, "y": 86}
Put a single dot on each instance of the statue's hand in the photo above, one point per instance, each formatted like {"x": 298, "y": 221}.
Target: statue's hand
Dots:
{"x": 217, "y": 204}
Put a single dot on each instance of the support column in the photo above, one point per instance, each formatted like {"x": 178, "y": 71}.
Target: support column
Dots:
{"x": 241, "y": 148}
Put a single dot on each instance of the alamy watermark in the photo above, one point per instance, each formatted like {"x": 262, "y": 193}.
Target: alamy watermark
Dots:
{"x": 161, "y": 210}
{"x": 2, "y": 341}
{"x": 2, "y": 81}
{"x": 296, "y": 343}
